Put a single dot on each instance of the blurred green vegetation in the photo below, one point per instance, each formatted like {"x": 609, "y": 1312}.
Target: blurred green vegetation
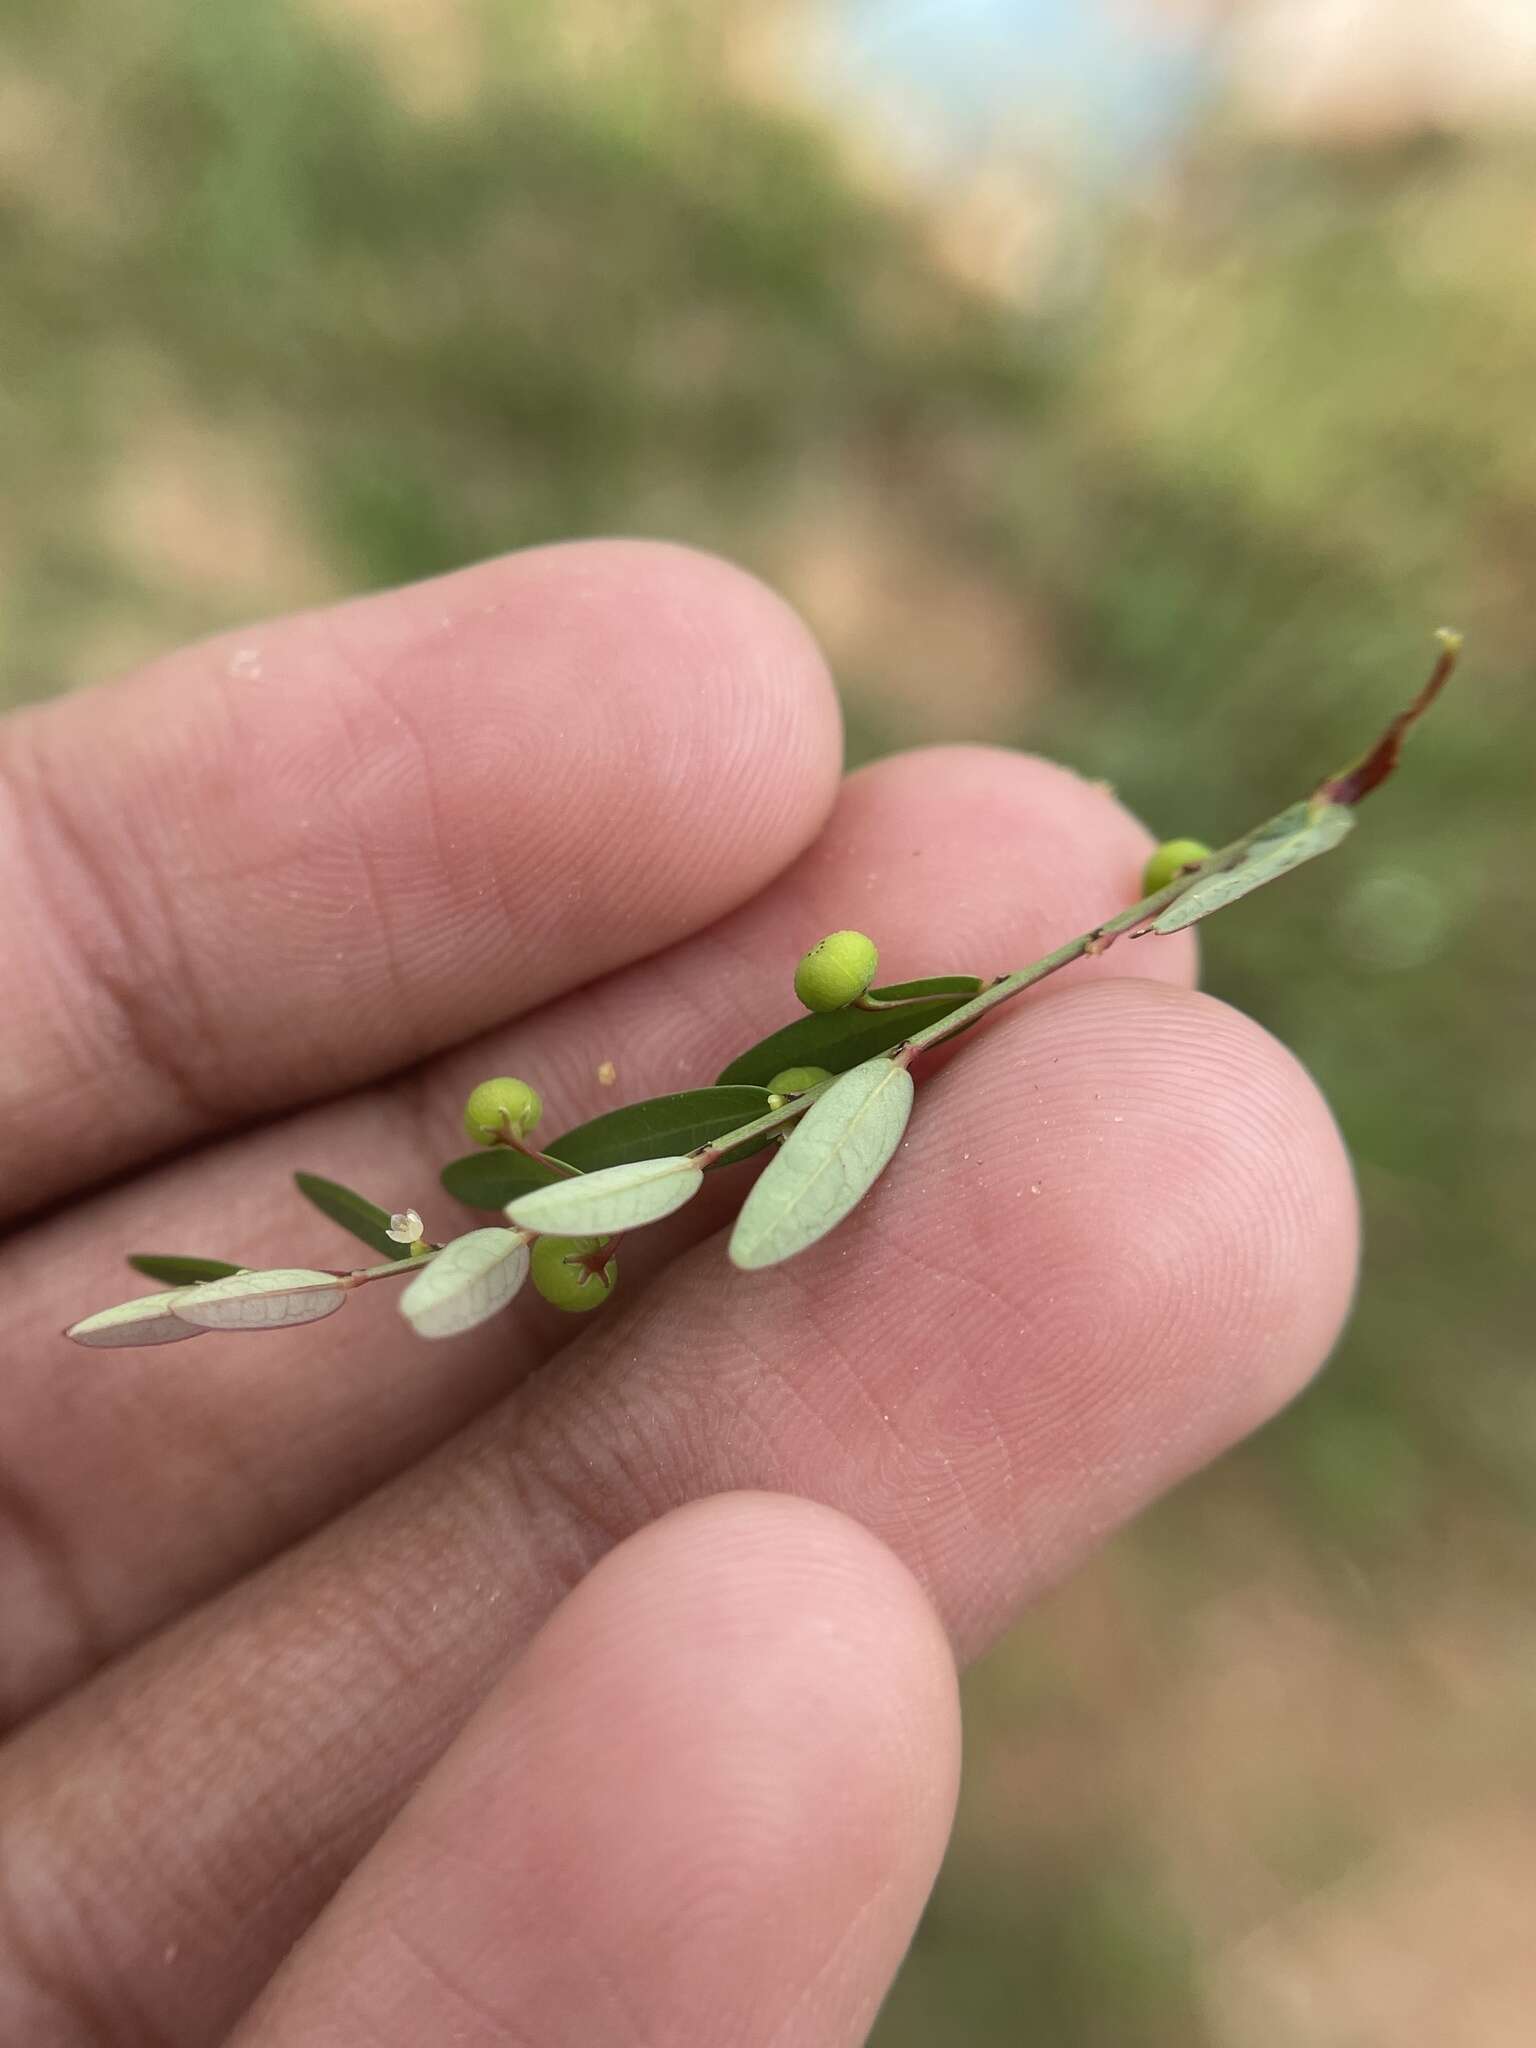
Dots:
{"x": 578, "y": 297}
{"x": 290, "y": 309}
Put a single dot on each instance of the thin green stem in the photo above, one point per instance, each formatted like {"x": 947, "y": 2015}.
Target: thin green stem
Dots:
{"x": 1099, "y": 940}
{"x": 760, "y": 1127}
{"x": 514, "y": 1143}
{"x": 396, "y": 1269}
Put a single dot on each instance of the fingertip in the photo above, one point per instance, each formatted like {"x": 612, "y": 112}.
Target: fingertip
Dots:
{"x": 629, "y": 693}
{"x": 707, "y": 1805}
{"x": 1253, "y": 1188}
{"x": 780, "y": 1575}
{"x": 1185, "y": 1182}
{"x": 783, "y": 1681}
{"x": 809, "y": 1665}
{"x": 710, "y": 658}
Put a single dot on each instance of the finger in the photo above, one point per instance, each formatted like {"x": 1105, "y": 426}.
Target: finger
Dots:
{"x": 705, "y": 1808}
{"x": 959, "y": 858}
{"x": 1120, "y": 1233}
{"x": 232, "y": 891}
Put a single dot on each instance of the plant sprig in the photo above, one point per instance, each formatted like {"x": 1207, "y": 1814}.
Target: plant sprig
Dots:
{"x": 831, "y": 1092}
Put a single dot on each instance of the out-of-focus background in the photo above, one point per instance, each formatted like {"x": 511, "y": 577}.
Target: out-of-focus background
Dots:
{"x": 1142, "y": 380}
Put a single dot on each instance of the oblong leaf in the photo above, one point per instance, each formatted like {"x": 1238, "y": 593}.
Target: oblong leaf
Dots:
{"x": 1297, "y": 835}
{"x": 271, "y": 1300}
{"x": 491, "y": 1178}
{"x": 177, "y": 1271}
{"x": 469, "y": 1281}
{"x": 830, "y": 1161}
{"x": 663, "y": 1126}
{"x": 615, "y": 1198}
{"x": 843, "y": 1039}
{"x": 354, "y": 1212}
{"x": 930, "y": 985}
{"x": 146, "y": 1321}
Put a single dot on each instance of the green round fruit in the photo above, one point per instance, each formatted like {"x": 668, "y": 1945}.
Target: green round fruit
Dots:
{"x": 1166, "y": 862}
{"x": 795, "y": 1080}
{"x": 499, "y": 1107}
{"x": 573, "y": 1272}
{"x": 836, "y": 971}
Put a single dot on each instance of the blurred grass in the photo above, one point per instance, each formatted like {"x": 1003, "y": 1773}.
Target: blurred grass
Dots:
{"x": 290, "y": 309}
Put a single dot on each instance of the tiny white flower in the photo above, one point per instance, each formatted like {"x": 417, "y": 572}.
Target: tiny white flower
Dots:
{"x": 405, "y": 1227}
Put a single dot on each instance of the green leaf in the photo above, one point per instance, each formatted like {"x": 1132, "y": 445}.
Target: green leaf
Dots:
{"x": 662, "y": 1126}
{"x": 176, "y": 1271}
{"x": 844, "y": 1039}
{"x": 149, "y": 1320}
{"x": 272, "y": 1300}
{"x": 831, "y": 1160}
{"x": 1297, "y": 835}
{"x": 665, "y": 1124}
{"x": 491, "y": 1178}
{"x": 469, "y": 1281}
{"x": 615, "y": 1198}
{"x": 366, "y": 1220}
{"x": 933, "y": 985}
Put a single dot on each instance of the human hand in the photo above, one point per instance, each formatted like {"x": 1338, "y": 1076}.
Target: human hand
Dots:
{"x": 418, "y": 1655}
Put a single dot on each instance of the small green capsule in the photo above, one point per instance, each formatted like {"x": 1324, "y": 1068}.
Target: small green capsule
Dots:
{"x": 575, "y": 1273}
{"x": 1167, "y": 861}
{"x": 796, "y": 1080}
{"x": 836, "y": 971}
{"x": 497, "y": 1108}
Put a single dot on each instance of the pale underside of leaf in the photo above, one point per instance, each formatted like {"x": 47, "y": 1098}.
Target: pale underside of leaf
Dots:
{"x": 148, "y": 1320}
{"x": 272, "y": 1300}
{"x": 469, "y": 1281}
{"x": 1299, "y": 834}
{"x": 616, "y": 1198}
{"x": 831, "y": 1160}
